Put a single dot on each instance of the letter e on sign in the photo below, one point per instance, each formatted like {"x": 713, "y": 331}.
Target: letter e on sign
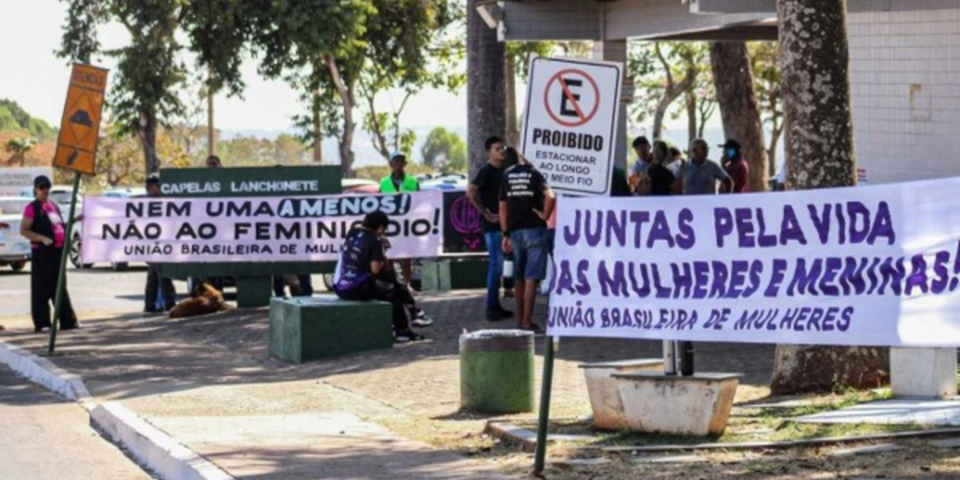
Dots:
{"x": 80, "y": 125}
{"x": 570, "y": 123}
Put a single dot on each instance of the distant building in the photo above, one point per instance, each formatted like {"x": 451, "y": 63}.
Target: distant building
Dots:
{"x": 904, "y": 60}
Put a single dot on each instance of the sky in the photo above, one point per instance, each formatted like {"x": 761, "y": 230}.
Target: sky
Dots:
{"x": 32, "y": 75}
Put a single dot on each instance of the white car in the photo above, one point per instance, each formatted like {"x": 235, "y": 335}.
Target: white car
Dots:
{"x": 14, "y": 249}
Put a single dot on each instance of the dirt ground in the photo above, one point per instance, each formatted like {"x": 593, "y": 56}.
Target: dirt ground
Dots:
{"x": 414, "y": 391}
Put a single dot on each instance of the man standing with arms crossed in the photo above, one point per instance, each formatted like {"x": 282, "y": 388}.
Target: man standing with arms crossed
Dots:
{"x": 483, "y": 193}
{"x": 526, "y": 202}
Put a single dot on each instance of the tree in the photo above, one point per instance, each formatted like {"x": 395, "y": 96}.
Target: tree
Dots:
{"x": 766, "y": 77}
{"x": 366, "y": 48}
{"x": 486, "y": 86}
{"x": 814, "y": 64}
{"x": 291, "y": 46}
{"x": 149, "y": 68}
{"x": 445, "y": 150}
{"x": 517, "y": 57}
{"x": 739, "y": 108}
{"x": 18, "y": 148}
{"x": 662, "y": 73}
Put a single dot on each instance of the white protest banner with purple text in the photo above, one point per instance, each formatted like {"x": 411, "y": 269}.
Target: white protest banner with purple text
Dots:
{"x": 873, "y": 265}
{"x": 256, "y": 229}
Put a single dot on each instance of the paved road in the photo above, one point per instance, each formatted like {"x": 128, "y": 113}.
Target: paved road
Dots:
{"x": 99, "y": 289}
{"x": 45, "y": 437}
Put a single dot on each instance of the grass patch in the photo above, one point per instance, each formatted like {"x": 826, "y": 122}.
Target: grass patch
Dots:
{"x": 771, "y": 424}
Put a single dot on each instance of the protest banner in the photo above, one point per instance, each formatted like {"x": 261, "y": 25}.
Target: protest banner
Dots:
{"x": 570, "y": 123}
{"x": 255, "y": 229}
{"x": 876, "y": 266}
{"x": 462, "y": 225}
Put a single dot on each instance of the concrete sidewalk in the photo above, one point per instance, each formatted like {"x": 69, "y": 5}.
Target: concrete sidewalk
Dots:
{"x": 252, "y": 418}
{"x": 47, "y": 437}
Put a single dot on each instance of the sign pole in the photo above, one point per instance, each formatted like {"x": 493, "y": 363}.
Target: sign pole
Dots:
{"x": 77, "y": 152}
{"x": 64, "y": 258}
{"x": 545, "y": 392}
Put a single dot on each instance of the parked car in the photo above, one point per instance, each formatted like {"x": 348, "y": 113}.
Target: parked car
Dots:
{"x": 75, "y": 247}
{"x": 14, "y": 248}
{"x": 359, "y": 186}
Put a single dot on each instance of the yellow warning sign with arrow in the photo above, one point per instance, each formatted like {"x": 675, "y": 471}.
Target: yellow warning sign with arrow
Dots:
{"x": 80, "y": 126}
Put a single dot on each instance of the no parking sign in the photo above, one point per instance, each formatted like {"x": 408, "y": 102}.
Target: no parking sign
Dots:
{"x": 570, "y": 127}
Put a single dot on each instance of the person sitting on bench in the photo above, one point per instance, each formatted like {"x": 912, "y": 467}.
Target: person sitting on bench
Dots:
{"x": 363, "y": 273}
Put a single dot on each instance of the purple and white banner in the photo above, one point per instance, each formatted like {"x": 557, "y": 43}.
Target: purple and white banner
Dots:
{"x": 256, "y": 229}
{"x": 850, "y": 266}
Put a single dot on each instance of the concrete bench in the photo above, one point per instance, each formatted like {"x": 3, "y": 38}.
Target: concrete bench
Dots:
{"x": 604, "y": 390}
{"x": 696, "y": 405}
{"x": 453, "y": 273}
{"x": 310, "y": 328}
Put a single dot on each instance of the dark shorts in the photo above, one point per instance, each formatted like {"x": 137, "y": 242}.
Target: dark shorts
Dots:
{"x": 530, "y": 253}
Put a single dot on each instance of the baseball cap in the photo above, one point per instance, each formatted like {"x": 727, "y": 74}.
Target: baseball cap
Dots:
{"x": 395, "y": 155}
{"x": 731, "y": 143}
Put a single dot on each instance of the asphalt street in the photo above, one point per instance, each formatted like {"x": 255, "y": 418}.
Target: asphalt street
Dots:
{"x": 99, "y": 289}
{"x": 43, "y": 436}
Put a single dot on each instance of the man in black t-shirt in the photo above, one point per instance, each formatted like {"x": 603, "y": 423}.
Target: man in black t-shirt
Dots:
{"x": 483, "y": 193}
{"x": 526, "y": 202}
{"x": 363, "y": 274}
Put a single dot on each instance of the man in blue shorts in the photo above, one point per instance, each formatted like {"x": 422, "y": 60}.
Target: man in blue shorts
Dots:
{"x": 526, "y": 202}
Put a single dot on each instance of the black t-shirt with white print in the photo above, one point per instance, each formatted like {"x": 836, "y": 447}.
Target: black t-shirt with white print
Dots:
{"x": 523, "y": 189}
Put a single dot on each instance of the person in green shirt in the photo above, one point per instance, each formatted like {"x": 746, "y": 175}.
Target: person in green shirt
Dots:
{"x": 399, "y": 181}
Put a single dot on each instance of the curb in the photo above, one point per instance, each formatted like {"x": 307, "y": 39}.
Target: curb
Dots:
{"x": 153, "y": 448}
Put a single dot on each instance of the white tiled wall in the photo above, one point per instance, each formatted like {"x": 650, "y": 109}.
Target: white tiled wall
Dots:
{"x": 905, "y": 76}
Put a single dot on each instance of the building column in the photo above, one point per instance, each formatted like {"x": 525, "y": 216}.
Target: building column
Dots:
{"x": 616, "y": 51}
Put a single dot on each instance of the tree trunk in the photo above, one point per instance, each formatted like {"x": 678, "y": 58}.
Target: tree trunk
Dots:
{"x": 211, "y": 128}
{"x": 691, "y": 117}
{"x": 345, "y": 144}
{"x": 147, "y": 134}
{"x": 486, "y": 88}
{"x": 317, "y": 129}
{"x": 814, "y": 60}
{"x": 775, "y": 132}
{"x": 739, "y": 108}
{"x": 510, "y": 85}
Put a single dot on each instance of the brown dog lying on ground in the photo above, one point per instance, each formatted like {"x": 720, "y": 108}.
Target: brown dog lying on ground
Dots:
{"x": 204, "y": 300}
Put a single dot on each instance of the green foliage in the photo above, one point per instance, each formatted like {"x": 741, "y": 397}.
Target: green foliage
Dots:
{"x": 18, "y": 149}
{"x": 662, "y": 73}
{"x": 366, "y": 49}
{"x": 150, "y": 68}
{"x": 445, "y": 150}
{"x": 14, "y": 118}
{"x": 766, "y": 82}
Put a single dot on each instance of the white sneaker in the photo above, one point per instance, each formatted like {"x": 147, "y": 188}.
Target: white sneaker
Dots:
{"x": 421, "y": 320}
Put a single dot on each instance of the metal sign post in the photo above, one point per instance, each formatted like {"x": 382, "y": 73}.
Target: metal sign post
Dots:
{"x": 545, "y": 392}
{"x": 77, "y": 152}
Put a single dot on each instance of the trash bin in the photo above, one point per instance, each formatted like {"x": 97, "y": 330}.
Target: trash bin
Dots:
{"x": 496, "y": 371}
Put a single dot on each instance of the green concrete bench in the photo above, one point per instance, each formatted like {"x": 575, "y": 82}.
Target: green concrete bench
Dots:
{"x": 460, "y": 272}
{"x": 310, "y": 328}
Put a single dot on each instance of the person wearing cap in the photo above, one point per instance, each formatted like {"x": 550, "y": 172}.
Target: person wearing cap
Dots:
{"x": 156, "y": 284}
{"x": 736, "y": 166}
{"x": 399, "y": 181}
{"x": 43, "y": 225}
